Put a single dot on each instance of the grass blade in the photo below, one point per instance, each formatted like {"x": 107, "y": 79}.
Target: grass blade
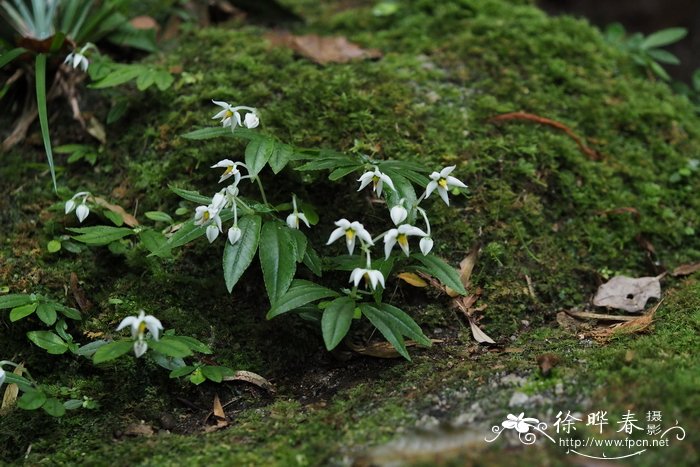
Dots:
{"x": 43, "y": 115}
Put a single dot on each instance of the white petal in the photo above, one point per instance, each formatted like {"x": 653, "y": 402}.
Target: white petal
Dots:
{"x": 251, "y": 120}
{"x": 219, "y": 115}
{"x": 364, "y": 235}
{"x": 128, "y": 321}
{"x": 344, "y": 223}
{"x": 140, "y": 348}
{"x": 365, "y": 180}
{"x": 435, "y": 176}
{"x": 356, "y": 276}
{"x": 238, "y": 118}
{"x": 411, "y": 230}
{"x": 426, "y": 244}
{"x": 336, "y": 234}
{"x": 430, "y": 188}
{"x": 451, "y": 181}
{"x": 405, "y": 248}
{"x": 385, "y": 178}
{"x": 389, "y": 242}
{"x": 398, "y": 214}
{"x": 217, "y": 221}
{"x": 223, "y": 163}
{"x": 84, "y": 64}
{"x": 82, "y": 212}
{"x": 303, "y": 218}
{"x": 70, "y": 205}
{"x": 378, "y": 187}
{"x": 443, "y": 194}
{"x": 76, "y": 60}
{"x": 223, "y": 104}
{"x": 153, "y": 324}
{"x": 446, "y": 171}
{"x": 375, "y": 277}
{"x": 234, "y": 234}
{"x": 292, "y": 221}
{"x": 350, "y": 243}
{"x": 212, "y": 233}
{"x": 69, "y": 58}
{"x": 2, "y": 376}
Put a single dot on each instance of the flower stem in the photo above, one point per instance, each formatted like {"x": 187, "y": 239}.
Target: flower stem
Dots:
{"x": 262, "y": 190}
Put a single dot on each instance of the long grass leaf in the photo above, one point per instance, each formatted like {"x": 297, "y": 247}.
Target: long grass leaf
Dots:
{"x": 10, "y": 55}
{"x": 43, "y": 114}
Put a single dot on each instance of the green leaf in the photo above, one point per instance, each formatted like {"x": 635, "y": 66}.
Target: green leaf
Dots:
{"x": 404, "y": 189}
{"x": 277, "y": 259}
{"x": 182, "y": 371}
{"x": 88, "y": 350}
{"x": 22, "y": 311}
{"x": 659, "y": 71}
{"x": 154, "y": 242}
{"x": 31, "y": 400}
{"x": 114, "y": 217}
{"x": 394, "y": 324}
{"x": 300, "y": 244}
{"x": 112, "y": 350}
{"x": 119, "y": 74}
{"x": 336, "y": 321}
{"x": 207, "y": 133}
{"x": 197, "y": 377}
{"x": 663, "y": 38}
{"x": 53, "y": 246}
{"x": 23, "y": 383}
{"x": 14, "y": 300}
{"x": 10, "y": 55}
{"x": 73, "y": 404}
{"x": 238, "y": 257}
{"x": 47, "y": 313}
{"x": 191, "y": 195}
{"x": 312, "y": 261}
{"x": 663, "y": 56}
{"x": 257, "y": 153}
{"x": 280, "y": 157}
{"x": 70, "y": 313}
{"x": 159, "y": 216}
{"x": 193, "y": 344}
{"x": 170, "y": 347}
{"x": 100, "y": 235}
{"x": 299, "y": 294}
{"x": 54, "y": 407}
{"x": 341, "y": 172}
{"x": 40, "y": 80}
{"x": 213, "y": 373}
{"x": 442, "y": 271}
{"x": 696, "y": 80}
{"x": 48, "y": 341}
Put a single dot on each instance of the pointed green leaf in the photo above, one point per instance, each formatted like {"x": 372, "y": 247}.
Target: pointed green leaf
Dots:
{"x": 664, "y": 37}
{"x": 182, "y": 371}
{"x": 277, "y": 259}
{"x": 31, "y": 400}
{"x": 100, "y": 235}
{"x": 47, "y": 313}
{"x": 14, "y": 300}
{"x": 299, "y": 294}
{"x": 238, "y": 257}
{"x": 112, "y": 350}
{"x": 213, "y": 373}
{"x": 312, "y": 261}
{"x": 336, "y": 321}
{"x": 48, "y": 341}
{"x": 40, "y": 81}
{"x": 394, "y": 323}
{"x": 22, "y": 311}
{"x": 54, "y": 407}
{"x": 442, "y": 271}
{"x": 10, "y": 55}
{"x": 170, "y": 347}
{"x": 257, "y": 153}
{"x": 281, "y": 155}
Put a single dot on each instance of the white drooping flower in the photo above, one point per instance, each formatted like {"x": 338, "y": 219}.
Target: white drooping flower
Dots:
{"x": 230, "y": 116}
{"x": 139, "y": 325}
{"x": 78, "y": 59}
{"x": 234, "y": 234}
{"x": 442, "y": 181}
{"x": 81, "y": 208}
{"x": 398, "y": 214}
{"x": 377, "y": 178}
{"x": 426, "y": 244}
{"x": 231, "y": 170}
{"x": 400, "y": 235}
{"x": 351, "y": 230}
{"x": 209, "y": 216}
{"x": 296, "y": 216}
{"x": 371, "y": 276}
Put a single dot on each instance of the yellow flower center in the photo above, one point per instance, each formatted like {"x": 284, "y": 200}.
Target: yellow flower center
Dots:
{"x": 375, "y": 180}
{"x": 403, "y": 240}
{"x": 206, "y": 215}
{"x": 229, "y": 169}
{"x": 349, "y": 234}
{"x": 228, "y": 114}
{"x": 443, "y": 183}
{"x": 142, "y": 328}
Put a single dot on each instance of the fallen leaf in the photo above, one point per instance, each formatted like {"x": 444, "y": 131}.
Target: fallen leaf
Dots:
{"x": 546, "y": 362}
{"x": 219, "y": 416}
{"x": 412, "y": 279}
{"x": 97, "y": 130}
{"x": 627, "y": 293}
{"x": 480, "y": 336}
{"x": 600, "y": 316}
{"x": 686, "y": 269}
{"x": 144, "y": 22}
{"x": 139, "y": 429}
{"x": 79, "y": 294}
{"x": 252, "y": 378}
{"x": 322, "y": 50}
{"x": 128, "y": 219}
{"x": 466, "y": 266}
{"x": 635, "y": 326}
{"x": 380, "y": 349}
{"x": 11, "y": 392}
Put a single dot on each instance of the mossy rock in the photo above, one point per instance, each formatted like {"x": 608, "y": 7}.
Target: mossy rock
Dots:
{"x": 543, "y": 210}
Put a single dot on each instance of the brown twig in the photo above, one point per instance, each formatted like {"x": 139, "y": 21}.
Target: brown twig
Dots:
{"x": 591, "y": 153}
{"x": 600, "y": 316}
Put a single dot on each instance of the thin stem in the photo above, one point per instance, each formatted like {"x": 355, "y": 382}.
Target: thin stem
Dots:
{"x": 262, "y": 190}
{"x": 235, "y": 213}
{"x": 425, "y": 218}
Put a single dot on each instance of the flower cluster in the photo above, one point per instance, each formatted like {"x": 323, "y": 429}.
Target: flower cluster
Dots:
{"x": 230, "y": 116}
{"x": 139, "y": 325}
{"x": 81, "y": 208}
{"x": 399, "y": 214}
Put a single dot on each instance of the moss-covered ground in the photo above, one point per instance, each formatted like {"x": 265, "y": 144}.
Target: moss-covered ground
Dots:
{"x": 541, "y": 209}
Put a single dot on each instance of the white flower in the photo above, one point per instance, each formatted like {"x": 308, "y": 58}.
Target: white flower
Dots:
{"x": 351, "y": 230}
{"x": 426, "y": 244}
{"x": 378, "y": 180}
{"x": 139, "y": 324}
{"x": 519, "y": 423}
{"x": 2, "y": 376}
{"x": 229, "y": 116}
{"x": 81, "y": 210}
{"x": 398, "y": 214}
{"x": 234, "y": 234}
{"x": 372, "y": 276}
{"x": 400, "y": 236}
{"x": 294, "y": 218}
{"x": 251, "y": 120}
{"x": 442, "y": 181}
{"x": 209, "y": 216}
{"x": 231, "y": 170}
{"x": 78, "y": 59}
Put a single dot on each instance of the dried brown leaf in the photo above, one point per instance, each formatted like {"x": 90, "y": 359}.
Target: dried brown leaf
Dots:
{"x": 252, "y": 378}
{"x": 79, "y": 294}
{"x": 627, "y": 293}
{"x": 379, "y": 349}
{"x": 636, "y": 326}
{"x": 126, "y": 217}
{"x": 479, "y": 335}
{"x": 546, "y": 362}
{"x": 144, "y": 22}
{"x": 322, "y": 50}
{"x": 11, "y": 392}
{"x": 686, "y": 269}
{"x": 412, "y": 279}
{"x": 139, "y": 429}
{"x": 466, "y": 266}
{"x": 599, "y": 316}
